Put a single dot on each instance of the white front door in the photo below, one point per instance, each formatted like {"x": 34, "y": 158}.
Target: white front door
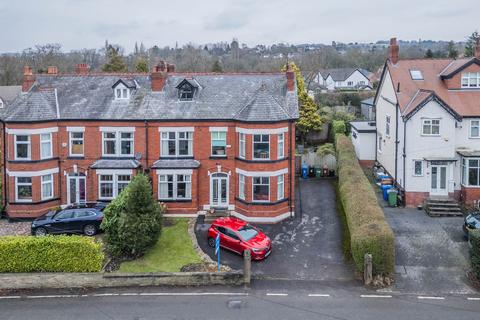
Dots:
{"x": 219, "y": 190}
{"x": 76, "y": 191}
{"x": 438, "y": 176}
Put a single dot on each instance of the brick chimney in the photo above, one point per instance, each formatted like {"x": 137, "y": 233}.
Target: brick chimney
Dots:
{"x": 28, "y": 79}
{"x": 290, "y": 78}
{"x": 170, "y": 68}
{"x": 52, "y": 70}
{"x": 393, "y": 51}
{"x": 82, "y": 68}
{"x": 477, "y": 48}
{"x": 158, "y": 76}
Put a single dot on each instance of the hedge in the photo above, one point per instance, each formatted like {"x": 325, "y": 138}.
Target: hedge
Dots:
{"x": 475, "y": 252}
{"x": 339, "y": 126}
{"x": 369, "y": 231}
{"x": 50, "y": 254}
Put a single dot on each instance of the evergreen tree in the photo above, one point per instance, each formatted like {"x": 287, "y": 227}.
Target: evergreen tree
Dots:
{"x": 470, "y": 45}
{"x": 115, "y": 61}
{"x": 142, "y": 65}
{"x": 133, "y": 220}
{"x": 135, "y": 51}
{"x": 452, "y": 50}
{"x": 217, "y": 67}
{"x": 429, "y": 54}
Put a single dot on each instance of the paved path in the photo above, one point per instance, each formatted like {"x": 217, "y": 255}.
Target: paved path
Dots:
{"x": 306, "y": 247}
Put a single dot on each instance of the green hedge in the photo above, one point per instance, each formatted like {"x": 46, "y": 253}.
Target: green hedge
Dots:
{"x": 50, "y": 254}
{"x": 475, "y": 241}
{"x": 369, "y": 231}
{"x": 339, "y": 126}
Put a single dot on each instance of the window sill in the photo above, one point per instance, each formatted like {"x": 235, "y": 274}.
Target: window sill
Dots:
{"x": 470, "y": 187}
{"x": 76, "y": 157}
{"x": 262, "y": 160}
{"x": 175, "y": 157}
{"x": 430, "y": 135}
{"x": 174, "y": 200}
{"x": 261, "y": 203}
{"x": 219, "y": 157}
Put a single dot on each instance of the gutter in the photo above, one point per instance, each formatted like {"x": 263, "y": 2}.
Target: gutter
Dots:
{"x": 396, "y": 143}
{"x": 404, "y": 154}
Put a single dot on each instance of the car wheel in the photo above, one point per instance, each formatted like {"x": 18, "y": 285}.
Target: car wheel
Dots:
{"x": 90, "y": 230}
{"x": 211, "y": 242}
{"x": 39, "y": 232}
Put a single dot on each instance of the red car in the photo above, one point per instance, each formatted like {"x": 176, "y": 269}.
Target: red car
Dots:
{"x": 237, "y": 235}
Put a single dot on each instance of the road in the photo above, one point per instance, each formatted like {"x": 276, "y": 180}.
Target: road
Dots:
{"x": 263, "y": 301}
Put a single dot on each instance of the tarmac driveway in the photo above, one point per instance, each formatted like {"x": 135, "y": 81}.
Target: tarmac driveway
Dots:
{"x": 431, "y": 253}
{"x": 307, "y": 247}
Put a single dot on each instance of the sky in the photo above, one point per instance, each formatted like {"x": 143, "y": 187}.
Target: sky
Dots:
{"x": 77, "y": 24}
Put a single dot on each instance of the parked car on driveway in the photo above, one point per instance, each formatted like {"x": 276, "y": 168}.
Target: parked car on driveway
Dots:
{"x": 84, "y": 219}
{"x": 472, "y": 221}
{"x": 237, "y": 235}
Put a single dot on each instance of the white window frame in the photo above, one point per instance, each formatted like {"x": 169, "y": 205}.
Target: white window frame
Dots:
{"x": 17, "y": 184}
{"x": 280, "y": 146}
{"x": 241, "y": 186}
{"x": 472, "y": 125}
{"x": 28, "y": 143}
{"x": 424, "y": 122}
{"x": 115, "y": 182}
{"x": 121, "y": 92}
{"x": 414, "y": 173}
{"x": 260, "y": 184}
{"x": 242, "y": 145}
{"x": 466, "y": 170}
{"x": 118, "y": 143}
{"x": 188, "y": 137}
{"x": 280, "y": 187}
{"x": 44, "y": 183}
{"x": 187, "y": 179}
{"x": 253, "y": 146}
{"x": 349, "y": 83}
{"x": 45, "y": 142}
{"x": 467, "y": 77}
{"x": 216, "y": 132}
{"x": 71, "y": 139}
{"x": 387, "y": 125}
{"x": 379, "y": 143}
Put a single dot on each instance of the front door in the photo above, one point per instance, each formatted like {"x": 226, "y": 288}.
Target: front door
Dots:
{"x": 76, "y": 189}
{"x": 219, "y": 190}
{"x": 438, "y": 180}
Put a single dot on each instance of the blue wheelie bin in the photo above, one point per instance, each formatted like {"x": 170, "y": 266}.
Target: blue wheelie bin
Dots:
{"x": 304, "y": 171}
{"x": 385, "y": 189}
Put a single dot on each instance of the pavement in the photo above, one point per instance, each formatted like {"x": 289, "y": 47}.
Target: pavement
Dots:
{"x": 307, "y": 247}
{"x": 259, "y": 302}
{"x": 431, "y": 253}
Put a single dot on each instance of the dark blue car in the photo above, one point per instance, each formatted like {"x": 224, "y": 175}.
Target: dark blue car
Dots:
{"x": 78, "y": 219}
{"x": 472, "y": 221}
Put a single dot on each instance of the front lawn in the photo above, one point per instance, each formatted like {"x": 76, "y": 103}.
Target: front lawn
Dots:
{"x": 173, "y": 250}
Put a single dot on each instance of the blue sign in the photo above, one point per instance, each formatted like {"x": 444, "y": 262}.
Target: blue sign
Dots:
{"x": 217, "y": 249}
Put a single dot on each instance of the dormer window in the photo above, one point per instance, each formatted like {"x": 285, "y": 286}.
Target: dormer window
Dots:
{"x": 122, "y": 93}
{"x": 186, "y": 89}
{"x": 471, "y": 80}
{"x": 123, "y": 88}
{"x": 416, "y": 74}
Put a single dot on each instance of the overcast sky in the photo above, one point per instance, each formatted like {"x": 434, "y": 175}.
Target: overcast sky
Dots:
{"x": 79, "y": 24}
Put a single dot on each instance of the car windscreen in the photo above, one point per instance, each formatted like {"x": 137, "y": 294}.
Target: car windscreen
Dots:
{"x": 247, "y": 232}
{"x": 473, "y": 219}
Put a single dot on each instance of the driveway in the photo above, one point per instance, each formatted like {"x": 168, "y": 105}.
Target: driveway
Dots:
{"x": 431, "y": 253}
{"x": 307, "y": 247}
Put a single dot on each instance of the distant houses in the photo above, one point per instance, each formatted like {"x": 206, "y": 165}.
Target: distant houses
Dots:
{"x": 343, "y": 79}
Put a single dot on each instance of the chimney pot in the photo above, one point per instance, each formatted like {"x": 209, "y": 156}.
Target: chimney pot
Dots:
{"x": 290, "y": 78}
{"x": 393, "y": 50}
{"x": 52, "y": 70}
{"x": 82, "y": 68}
{"x": 28, "y": 79}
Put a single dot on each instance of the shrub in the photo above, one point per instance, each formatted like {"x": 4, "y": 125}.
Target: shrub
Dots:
{"x": 50, "y": 254}
{"x": 339, "y": 127}
{"x": 369, "y": 231}
{"x": 133, "y": 221}
{"x": 475, "y": 241}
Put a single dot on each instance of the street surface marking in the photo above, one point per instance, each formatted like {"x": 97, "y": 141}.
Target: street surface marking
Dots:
{"x": 375, "y": 296}
{"x": 103, "y": 295}
{"x": 10, "y": 297}
{"x": 194, "y": 294}
{"x": 277, "y": 294}
{"x": 54, "y": 296}
{"x": 430, "y": 298}
{"x": 318, "y": 295}
{"x": 473, "y": 299}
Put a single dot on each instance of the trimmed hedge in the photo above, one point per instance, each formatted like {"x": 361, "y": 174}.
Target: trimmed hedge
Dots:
{"x": 339, "y": 126}
{"x": 369, "y": 231}
{"x": 475, "y": 252}
{"x": 50, "y": 254}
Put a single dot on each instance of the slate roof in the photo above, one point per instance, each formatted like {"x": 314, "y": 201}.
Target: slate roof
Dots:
{"x": 9, "y": 93}
{"x": 115, "y": 164}
{"x": 369, "y": 101}
{"x": 176, "y": 164}
{"x": 219, "y": 97}
{"x": 341, "y": 74}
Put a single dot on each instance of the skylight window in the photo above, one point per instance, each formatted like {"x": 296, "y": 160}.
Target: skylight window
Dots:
{"x": 416, "y": 74}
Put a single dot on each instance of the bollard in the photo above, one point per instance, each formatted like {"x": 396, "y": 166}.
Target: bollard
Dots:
{"x": 247, "y": 267}
{"x": 367, "y": 269}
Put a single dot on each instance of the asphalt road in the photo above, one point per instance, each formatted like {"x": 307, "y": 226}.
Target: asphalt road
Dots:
{"x": 261, "y": 302}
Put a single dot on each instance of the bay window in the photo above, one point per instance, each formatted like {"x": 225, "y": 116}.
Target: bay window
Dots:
{"x": 241, "y": 145}
{"x": 174, "y": 186}
{"x": 175, "y": 144}
{"x": 261, "y": 146}
{"x": 117, "y": 143}
{"x": 261, "y": 189}
{"x": 280, "y": 145}
{"x": 45, "y": 145}
{"x": 431, "y": 127}
{"x": 241, "y": 186}
{"x": 280, "y": 187}
{"x": 22, "y": 147}
{"x": 76, "y": 144}
{"x": 110, "y": 185}
{"x": 23, "y": 189}
{"x": 219, "y": 143}
{"x": 47, "y": 186}
{"x": 471, "y": 172}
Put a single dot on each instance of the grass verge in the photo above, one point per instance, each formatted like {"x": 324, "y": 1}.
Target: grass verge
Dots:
{"x": 173, "y": 250}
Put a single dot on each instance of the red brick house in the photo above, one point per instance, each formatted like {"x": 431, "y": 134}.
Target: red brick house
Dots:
{"x": 221, "y": 141}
